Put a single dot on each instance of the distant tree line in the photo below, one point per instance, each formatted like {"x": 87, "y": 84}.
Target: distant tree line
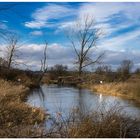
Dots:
{"x": 122, "y": 73}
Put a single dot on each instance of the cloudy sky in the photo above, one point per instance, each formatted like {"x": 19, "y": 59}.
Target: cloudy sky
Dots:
{"x": 34, "y": 22}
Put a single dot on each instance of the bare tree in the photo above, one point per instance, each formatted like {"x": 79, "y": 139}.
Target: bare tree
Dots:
{"x": 137, "y": 71}
{"x": 126, "y": 66}
{"x": 3, "y": 63}
{"x": 44, "y": 67}
{"x": 104, "y": 69}
{"x": 59, "y": 70}
{"x": 125, "y": 69}
{"x": 44, "y": 59}
{"x": 83, "y": 38}
{"x": 12, "y": 51}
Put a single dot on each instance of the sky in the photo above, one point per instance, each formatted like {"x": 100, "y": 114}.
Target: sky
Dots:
{"x": 35, "y": 22}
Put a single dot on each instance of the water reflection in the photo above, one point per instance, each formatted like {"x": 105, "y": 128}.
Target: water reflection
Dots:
{"x": 100, "y": 98}
{"x": 61, "y": 100}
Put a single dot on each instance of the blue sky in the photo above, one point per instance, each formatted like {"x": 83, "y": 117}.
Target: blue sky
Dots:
{"x": 120, "y": 23}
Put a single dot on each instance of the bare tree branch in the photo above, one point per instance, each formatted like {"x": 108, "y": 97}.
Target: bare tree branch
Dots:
{"x": 87, "y": 34}
{"x": 12, "y": 51}
{"x": 98, "y": 59}
{"x": 43, "y": 61}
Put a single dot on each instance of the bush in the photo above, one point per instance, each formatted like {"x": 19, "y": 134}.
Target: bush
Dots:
{"x": 14, "y": 112}
{"x": 58, "y": 70}
{"x": 108, "y": 124}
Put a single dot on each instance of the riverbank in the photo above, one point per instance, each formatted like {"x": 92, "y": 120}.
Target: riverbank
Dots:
{"x": 109, "y": 124}
{"x": 16, "y": 117}
{"x": 20, "y": 120}
{"x": 128, "y": 89}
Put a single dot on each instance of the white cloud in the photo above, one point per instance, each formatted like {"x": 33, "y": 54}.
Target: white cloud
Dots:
{"x": 119, "y": 42}
{"x": 42, "y": 15}
{"x": 35, "y": 24}
{"x": 58, "y": 54}
{"x": 36, "y": 33}
{"x": 101, "y": 11}
{"x": 32, "y": 47}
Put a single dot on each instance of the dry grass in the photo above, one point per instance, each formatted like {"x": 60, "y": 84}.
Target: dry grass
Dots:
{"x": 17, "y": 119}
{"x": 13, "y": 111}
{"x": 129, "y": 89}
{"x": 109, "y": 124}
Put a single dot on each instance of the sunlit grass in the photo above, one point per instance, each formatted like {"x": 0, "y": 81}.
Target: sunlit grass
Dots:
{"x": 129, "y": 88}
{"x": 13, "y": 111}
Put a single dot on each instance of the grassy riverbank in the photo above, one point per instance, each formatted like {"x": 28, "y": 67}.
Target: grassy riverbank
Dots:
{"x": 129, "y": 89}
{"x": 16, "y": 117}
{"x": 97, "y": 124}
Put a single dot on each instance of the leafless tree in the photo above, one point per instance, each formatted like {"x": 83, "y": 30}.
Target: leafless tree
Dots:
{"x": 83, "y": 39}
{"x": 125, "y": 69}
{"x": 104, "y": 69}
{"x": 44, "y": 67}
{"x": 137, "y": 71}
{"x": 12, "y": 51}
{"x": 3, "y": 62}
{"x": 44, "y": 59}
{"x": 126, "y": 66}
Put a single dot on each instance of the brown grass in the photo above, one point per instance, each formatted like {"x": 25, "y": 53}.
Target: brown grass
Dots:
{"x": 13, "y": 111}
{"x": 109, "y": 124}
{"x": 129, "y": 89}
{"x": 18, "y": 119}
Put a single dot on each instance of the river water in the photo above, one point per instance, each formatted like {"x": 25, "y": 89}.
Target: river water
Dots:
{"x": 54, "y": 99}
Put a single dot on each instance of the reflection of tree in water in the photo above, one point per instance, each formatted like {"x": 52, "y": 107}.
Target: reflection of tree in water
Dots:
{"x": 81, "y": 105}
{"x": 85, "y": 104}
{"x": 41, "y": 96}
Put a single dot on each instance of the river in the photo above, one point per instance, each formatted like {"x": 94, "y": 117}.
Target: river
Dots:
{"x": 54, "y": 99}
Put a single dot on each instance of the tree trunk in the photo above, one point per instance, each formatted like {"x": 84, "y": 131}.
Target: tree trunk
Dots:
{"x": 80, "y": 69}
